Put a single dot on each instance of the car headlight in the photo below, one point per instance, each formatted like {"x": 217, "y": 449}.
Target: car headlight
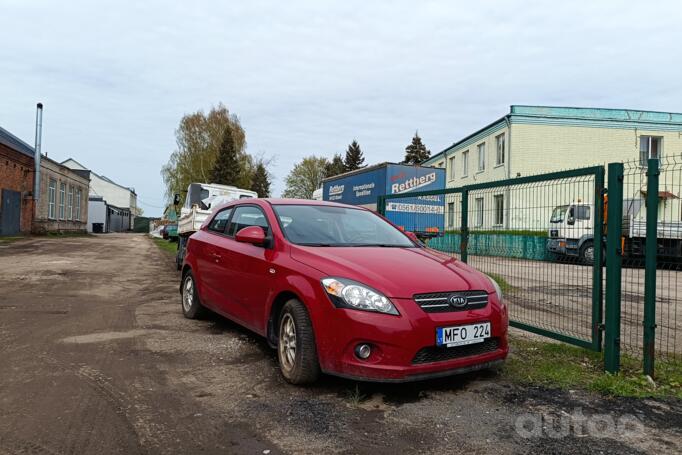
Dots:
{"x": 351, "y": 294}
{"x": 498, "y": 290}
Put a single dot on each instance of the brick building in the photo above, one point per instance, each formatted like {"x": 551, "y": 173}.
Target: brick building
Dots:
{"x": 62, "y": 205}
{"x": 16, "y": 184}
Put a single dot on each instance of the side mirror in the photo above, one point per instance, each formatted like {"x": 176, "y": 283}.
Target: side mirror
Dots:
{"x": 570, "y": 218}
{"x": 176, "y": 199}
{"x": 251, "y": 234}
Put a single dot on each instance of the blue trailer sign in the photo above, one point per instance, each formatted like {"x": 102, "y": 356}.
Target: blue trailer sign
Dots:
{"x": 356, "y": 188}
{"x": 422, "y": 215}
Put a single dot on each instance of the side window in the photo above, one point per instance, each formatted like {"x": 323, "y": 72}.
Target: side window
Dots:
{"x": 246, "y": 216}
{"x": 582, "y": 212}
{"x": 219, "y": 223}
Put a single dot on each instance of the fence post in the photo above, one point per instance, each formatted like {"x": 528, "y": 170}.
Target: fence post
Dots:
{"x": 464, "y": 244}
{"x": 597, "y": 270}
{"x": 650, "y": 252}
{"x": 614, "y": 259}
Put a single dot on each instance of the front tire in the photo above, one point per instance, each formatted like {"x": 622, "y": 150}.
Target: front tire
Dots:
{"x": 587, "y": 253}
{"x": 191, "y": 306}
{"x": 296, "y": 348}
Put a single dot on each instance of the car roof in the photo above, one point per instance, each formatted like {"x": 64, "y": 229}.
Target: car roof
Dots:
{"x": 289, "y": 201}
{"x": 285, "y": 201}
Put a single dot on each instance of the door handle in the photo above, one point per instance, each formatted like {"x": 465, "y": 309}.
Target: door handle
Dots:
{"x": 215, "y": 256}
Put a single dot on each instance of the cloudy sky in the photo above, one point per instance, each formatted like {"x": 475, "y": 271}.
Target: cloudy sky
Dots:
{"x": 309, "y": 77}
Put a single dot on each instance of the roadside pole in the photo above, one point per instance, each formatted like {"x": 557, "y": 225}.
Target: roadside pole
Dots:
{"x": 598, "y": 266}
{"x": 614, "y": 258}
{"x": 653, "y": 171}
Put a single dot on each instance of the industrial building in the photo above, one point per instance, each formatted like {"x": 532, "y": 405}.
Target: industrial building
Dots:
{"x": 113, "y": 206}
{"x": 539, "y": 139}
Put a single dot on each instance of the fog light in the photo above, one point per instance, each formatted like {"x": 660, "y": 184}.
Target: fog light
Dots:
{"x": 362, "y": 351}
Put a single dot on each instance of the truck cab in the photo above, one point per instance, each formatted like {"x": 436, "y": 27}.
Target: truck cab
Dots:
{"x": 571, "y": 231}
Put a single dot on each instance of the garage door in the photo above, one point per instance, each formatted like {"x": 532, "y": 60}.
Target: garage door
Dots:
{"x": 10, "y": 212}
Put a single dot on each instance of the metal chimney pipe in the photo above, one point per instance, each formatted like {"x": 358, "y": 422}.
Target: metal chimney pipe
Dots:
{"x": 37, "y": 156}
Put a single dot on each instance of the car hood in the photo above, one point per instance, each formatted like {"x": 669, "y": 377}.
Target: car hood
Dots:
{"x": 396, "y": 272}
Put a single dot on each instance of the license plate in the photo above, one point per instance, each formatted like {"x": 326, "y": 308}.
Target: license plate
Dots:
{"x": 462, "y": 334}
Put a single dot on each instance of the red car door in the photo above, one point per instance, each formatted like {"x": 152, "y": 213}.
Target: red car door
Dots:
{"x": 209, "y": 261}
{"x": 246, "y": 269}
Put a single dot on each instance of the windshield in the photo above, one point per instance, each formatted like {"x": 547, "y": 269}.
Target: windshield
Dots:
{"x": 558, "y": 214}
{"x": 319, "y": 225}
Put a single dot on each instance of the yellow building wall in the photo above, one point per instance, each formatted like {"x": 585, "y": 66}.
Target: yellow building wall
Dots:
{"x": 492, "y": 170}
{"x": 537, "y": 149}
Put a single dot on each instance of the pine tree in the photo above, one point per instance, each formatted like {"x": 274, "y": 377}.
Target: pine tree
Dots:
{"x": 227, "y": 167}
{"x": 354, "y": 159}
{"x": 416, "y": 152}
{"x": 335, "y": 166}
{"x": 260, "y": 181}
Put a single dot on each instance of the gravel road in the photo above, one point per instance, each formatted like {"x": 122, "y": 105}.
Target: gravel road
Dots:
{"x": 95, "y": 357}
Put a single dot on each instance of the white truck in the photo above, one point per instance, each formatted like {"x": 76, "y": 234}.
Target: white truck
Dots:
{"x": 200, "y": 201}
{"x": 571, "y": 231}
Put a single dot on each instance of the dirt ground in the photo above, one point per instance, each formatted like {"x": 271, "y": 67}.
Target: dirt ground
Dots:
{"x": 96, "y": 357}
{"x": 558, "y": 296}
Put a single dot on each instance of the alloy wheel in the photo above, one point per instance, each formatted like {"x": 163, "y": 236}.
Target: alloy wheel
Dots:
{"x": 188, "y": 294}
{"x": 287, "y": 342}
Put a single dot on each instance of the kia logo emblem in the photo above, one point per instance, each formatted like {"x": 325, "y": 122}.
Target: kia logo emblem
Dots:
{"x": 458, "y": 301}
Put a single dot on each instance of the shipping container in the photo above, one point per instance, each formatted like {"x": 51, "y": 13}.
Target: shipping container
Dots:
{"x": 424, "y": 215}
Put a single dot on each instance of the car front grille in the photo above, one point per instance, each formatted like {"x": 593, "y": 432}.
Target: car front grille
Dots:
{"x": 440, "y": 354}
{"x": 438, "y": 302}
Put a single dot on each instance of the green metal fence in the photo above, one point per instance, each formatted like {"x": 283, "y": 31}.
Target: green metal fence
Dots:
{"x": 649, "y": 247}
{"x": 504, "y": 228}
{"x": 546, "y": 241}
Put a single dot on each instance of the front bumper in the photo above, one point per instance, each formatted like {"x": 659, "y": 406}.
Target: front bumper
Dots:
{"x": 398, "y": 343}
{"x": 556, "y": 246}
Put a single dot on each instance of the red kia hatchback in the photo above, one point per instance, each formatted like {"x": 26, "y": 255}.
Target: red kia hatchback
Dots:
{"x": 340, "y": 290}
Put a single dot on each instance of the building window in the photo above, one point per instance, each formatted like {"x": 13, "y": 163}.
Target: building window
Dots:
{"x": 499, "y": 141}
{"x": 650, "y": 147}
{"x": 62, "y": 199}
{"x": 451, "y": 214}
{"x": 481, "y": 157}
{"x": 465, "y": 163}
{"x": 499, "y": 209}
{"x": 479, "y": 211}
{"x": 52, "y": 199}
{"x": 69, "y": 203}
{"x": 451, "y": 168}
{"x": 79, "y": 195}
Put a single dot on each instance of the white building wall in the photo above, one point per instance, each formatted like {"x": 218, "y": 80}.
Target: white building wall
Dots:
{"x": 97, "y": 213}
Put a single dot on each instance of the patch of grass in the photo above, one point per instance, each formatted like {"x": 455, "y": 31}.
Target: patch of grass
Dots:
{"x": 9, "y": 239}
{"x": 566, "y": 367}
{"x": 166, "y": 246}
{"x": 501, "y": 282}
{"x": 355, "y": 396}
